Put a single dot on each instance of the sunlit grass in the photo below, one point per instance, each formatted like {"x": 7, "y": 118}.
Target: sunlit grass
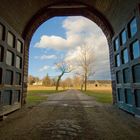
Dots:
{"x": 100, "y": 95}
{"x": 45, "y": 88}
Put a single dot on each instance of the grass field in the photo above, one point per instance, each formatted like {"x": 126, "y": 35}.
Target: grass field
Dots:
{"x": 102, "y": 96}
{"x": 31, "y": 88}
{"x": 38, "y": 94}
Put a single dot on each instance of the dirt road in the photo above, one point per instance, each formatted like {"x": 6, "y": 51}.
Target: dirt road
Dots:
{"x": 70, "y": 115}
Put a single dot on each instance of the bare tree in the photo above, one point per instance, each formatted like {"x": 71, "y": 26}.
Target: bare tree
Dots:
{"x": 86, "y": 63}
{"x": 63, "y": 67}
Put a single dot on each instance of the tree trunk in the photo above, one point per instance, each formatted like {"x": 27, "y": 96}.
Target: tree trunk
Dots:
{"x": 58, "y": 80}
{"x": 85, "y": 82}
{"x": 57, "y": 83}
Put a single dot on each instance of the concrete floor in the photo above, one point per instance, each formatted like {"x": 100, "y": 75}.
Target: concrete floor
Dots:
{"x": 70, "y": 115}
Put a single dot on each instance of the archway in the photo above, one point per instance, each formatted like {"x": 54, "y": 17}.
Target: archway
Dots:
{"x": 68, "y": 9}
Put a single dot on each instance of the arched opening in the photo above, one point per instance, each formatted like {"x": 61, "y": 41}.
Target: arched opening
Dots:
{"x": 68, "y": 9}
{"x": 65, "y": 39}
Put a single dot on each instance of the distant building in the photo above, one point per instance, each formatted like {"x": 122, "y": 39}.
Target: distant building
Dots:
{"x": 39, "y": 83}
{"x": 99, "y": 83}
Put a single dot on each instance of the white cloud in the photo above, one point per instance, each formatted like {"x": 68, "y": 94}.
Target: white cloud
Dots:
{"x": 44, "y": 68}
{"x": 45, "y": 57}
{"x": 81, "y": 25}
{"x": 72, "y": 54}
{"x": 101, "y": 65}
{"x": 48, "y": 68}
{"x": 57, "y": 42}
{"x": 78, "y": 30}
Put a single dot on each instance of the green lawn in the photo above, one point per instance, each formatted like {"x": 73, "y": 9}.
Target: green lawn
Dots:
{"x": 101, "y": 96}
{"x": 35, "y": 97}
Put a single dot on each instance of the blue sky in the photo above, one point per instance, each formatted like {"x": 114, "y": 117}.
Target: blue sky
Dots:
{"x": 61, "y": 37}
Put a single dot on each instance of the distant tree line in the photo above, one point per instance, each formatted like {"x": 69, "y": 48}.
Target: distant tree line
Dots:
{"x": 75, "y": 81}
{"x": 46, "y": 81}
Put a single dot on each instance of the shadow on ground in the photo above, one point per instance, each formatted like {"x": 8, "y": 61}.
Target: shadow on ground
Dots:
{"x": 70, "y": 115}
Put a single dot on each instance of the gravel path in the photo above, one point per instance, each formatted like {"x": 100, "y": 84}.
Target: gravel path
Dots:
{"x": 70, "y": 115}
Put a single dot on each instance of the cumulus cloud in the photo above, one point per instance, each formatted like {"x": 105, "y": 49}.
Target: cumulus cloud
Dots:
{"x": 78, "y": 31}
{"x": 80, "y": 25}
{"x": 54, "y": 42}
{"x": 58, "y": 43}
{"x": 45, "y": 57}
{"x": 100, "y": 62}
{"x": 72, "y": 54}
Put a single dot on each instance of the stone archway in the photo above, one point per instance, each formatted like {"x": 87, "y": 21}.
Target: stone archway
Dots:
{"x": 67, "y": 9}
